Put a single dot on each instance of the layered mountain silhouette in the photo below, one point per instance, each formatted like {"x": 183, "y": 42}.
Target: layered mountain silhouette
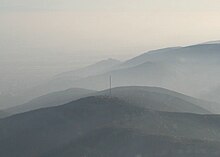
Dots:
{"x": 84, "y": 122}
{"x": 94, "y": 69}
{"x": 141, "y": 117}
{"x": 59, "y": 82}
{"x": 195, "y": 53}
{"x": 189, "y": 70}
{"x": 153, "y": 98}
{"x": 64, "y": 81}
{"x": 52, "y": 99}
{"x": 192, "y": 70}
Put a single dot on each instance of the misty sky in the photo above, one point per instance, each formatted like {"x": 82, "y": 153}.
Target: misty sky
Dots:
{"x": 39, "y": 38}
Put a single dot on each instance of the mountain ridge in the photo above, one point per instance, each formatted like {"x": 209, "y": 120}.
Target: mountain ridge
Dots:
{"x": 52, "y": 128}
{"x": 148, "y": 97}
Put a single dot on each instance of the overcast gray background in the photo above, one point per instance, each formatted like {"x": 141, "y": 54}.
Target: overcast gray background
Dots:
{"x": 40, "y": 38}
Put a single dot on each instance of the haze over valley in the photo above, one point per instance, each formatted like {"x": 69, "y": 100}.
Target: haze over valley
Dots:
{"x": 160, "y": 99}
{"x": 109, "y": 78}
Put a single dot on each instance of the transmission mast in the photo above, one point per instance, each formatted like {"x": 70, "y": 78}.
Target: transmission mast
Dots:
{"x": 110, "y": 85}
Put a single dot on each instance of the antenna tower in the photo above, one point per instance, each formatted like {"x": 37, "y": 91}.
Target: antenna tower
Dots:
{"x": 110, "y": 85}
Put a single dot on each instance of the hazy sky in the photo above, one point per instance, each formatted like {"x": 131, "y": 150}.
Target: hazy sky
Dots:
{"x": 39, "y": 38}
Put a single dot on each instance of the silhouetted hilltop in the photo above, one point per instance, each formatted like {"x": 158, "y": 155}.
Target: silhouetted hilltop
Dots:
{"x": 94, "y": 69}
{"x": 159, "y": 99}
{"x": 52, "y": 99}
{"x": 153, "y": 98}
{"x": 38, "y": 132}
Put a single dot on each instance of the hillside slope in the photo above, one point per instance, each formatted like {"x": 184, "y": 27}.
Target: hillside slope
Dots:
{"x": 3, "y": 114}
{"x": 166, "y": 98}
{"x": 117, "y": 142}
{"x": 153, "y": 98}
{"x": 159, "y": 99}
{"x": 39, "y": 132}
{"x": 52, "y": 99}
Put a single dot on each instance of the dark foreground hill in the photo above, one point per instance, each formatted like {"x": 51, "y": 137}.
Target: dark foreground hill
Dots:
{"x": 3, "y": 114}
{"x": 41, "y": 132}
{"x": 115, "y": 142}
